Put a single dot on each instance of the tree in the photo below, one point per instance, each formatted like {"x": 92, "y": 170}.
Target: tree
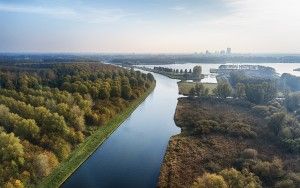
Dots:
{"x": 192, "y": 91}
{"x": 223, "y": 90}
{"x": 240, "y": 90}
{"x": 104, "y": 92}
{"x": 150, "y": 77}
{"x": 261, "y": 92}
{"x": 236, "y": 77}
{"x": 276, "y": 122}
{"x": 27, "y": 129}
{"x": 210, "y": 181}
{"x": 268, "y": 172}
{"x": 44, "y": 163}
{"x": 292, "y": 101}
{"x": 199, "y": 90}
{"x": 126, "y": 91}
{"x": 116, "y": 89}
{"x": 60, "y": 147}
{"x": 197, "y": 72}
{"x": 237, "y": 179}
{"x": 11, "y": 148}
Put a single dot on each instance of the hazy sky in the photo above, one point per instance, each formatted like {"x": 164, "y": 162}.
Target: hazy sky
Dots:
{"x": 150, "y": 26}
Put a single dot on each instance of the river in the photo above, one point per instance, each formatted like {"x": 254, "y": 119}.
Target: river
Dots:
{"x": 132, "y": 155}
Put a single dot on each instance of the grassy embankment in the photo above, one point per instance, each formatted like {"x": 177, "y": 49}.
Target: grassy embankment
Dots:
{"x": 185, "y": 87}
{"x": 89, "y": 146}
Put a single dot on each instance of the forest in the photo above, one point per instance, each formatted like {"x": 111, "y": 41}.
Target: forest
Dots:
{"x": 48, "y": 109}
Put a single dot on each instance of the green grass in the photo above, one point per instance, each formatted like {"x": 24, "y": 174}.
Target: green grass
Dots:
{"x": 185, "y": 87}
{"x": 88, "y": 147}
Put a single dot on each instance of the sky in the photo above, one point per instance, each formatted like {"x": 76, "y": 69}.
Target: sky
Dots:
{"x": 150, "y": 26}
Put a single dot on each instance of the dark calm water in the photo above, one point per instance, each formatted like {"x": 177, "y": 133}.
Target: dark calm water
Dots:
{"x": 132, "y": 155}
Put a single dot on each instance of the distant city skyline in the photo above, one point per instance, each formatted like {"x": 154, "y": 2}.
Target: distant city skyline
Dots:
{"x": 169, "y": 26}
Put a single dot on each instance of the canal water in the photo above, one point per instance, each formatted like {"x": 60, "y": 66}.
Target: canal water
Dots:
{"x": 132, "y": 155}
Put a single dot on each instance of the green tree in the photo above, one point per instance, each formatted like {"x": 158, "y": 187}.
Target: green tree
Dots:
{"x": 197, "y": 72}
{"x": 237, "y": 179}
{"x": 27, "y": 129}
{"x": 126, "y": 91}
{"x": 276, "y": 122}
{"x": 115, "y": 89}
{"x": 292, "y": 101}
{"x": 199, "y": 90}
{"x": 104, "y": 92}
{"x": 260, "y": 93}
{"x": 223, "y": 90}
{"x": 240, "y": 90}
{"x": 11, "y": 148}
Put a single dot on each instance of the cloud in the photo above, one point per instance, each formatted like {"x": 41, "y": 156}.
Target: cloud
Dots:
{"x": 84, "y": 14}
{"x": 181, "y": 9}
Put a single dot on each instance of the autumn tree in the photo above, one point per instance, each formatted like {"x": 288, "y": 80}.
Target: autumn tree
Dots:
{"x": 210, "y": 181}
{"x": 126, "y": 91}
{"x": 44, "y": 163}
{"x": 11, "y": 148}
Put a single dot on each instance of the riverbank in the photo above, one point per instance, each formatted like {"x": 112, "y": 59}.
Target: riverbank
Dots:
{"x": 226, "y": 136}
{"x": 88, "y": 147}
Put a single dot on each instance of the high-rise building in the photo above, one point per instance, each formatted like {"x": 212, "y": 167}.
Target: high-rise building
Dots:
{"x": 228, "y": 51}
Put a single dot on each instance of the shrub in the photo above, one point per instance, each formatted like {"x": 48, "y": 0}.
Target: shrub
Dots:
{"x": 240, "y": 129}
{"x": 276, "y": 122}
{"x": 261, "y": 110}
{"x": 269, "y": 172}
{"x": 212, "y": 166}
{"x": 249, "y": 153}
{"x": 237, "y": 179}
{"x": 210, "y": 181}
{"x": 206, "y": 126}
{"x": 287, "y": 183}
{"x": 293, "y": 145}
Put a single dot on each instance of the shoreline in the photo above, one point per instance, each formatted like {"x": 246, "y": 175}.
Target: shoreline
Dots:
{"x": 90, "y": 145}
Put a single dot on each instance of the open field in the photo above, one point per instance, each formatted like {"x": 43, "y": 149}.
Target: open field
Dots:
{"x": 185, "y": 87}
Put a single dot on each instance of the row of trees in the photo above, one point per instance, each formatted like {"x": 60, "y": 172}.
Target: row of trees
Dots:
{"x": 195, "y": 74}
{"x": 47, "y": 110}
{"x": 257, "y": 91}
